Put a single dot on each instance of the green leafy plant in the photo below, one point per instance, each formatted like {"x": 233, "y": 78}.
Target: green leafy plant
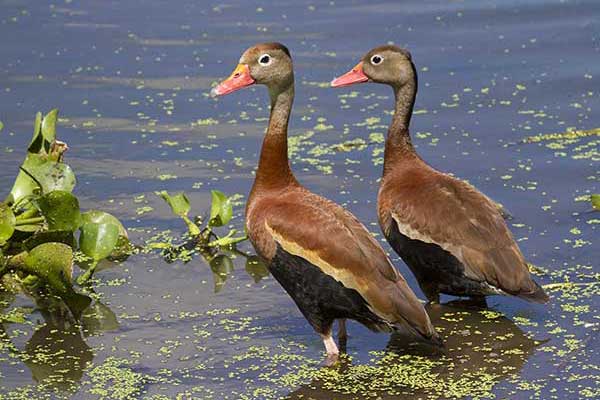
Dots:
{"x": 180, "y": 205}
{"x": 40, "y": 221}
{"x": 8, "y": 222}
{"x": 221, "y": 212}
{"x": 97, "y": 241}
{"x": 202, "y": 238}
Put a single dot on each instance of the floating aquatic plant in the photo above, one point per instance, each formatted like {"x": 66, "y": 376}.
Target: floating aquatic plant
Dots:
{"x": 221, "y": 212}
{"x": 202, "y": 238}
{"x": 42, "y": 225}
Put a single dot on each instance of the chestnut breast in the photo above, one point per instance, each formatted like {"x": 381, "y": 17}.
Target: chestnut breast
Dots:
{"x": 403, "y": 184}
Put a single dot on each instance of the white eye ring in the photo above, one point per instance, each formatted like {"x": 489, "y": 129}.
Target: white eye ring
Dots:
{"x": 265, "y": 59}
{"x": 376, "y": 59}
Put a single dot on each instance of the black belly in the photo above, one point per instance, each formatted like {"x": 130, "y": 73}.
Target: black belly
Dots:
{"x": 436, "y": 269}
{"x": 320, "y": 298}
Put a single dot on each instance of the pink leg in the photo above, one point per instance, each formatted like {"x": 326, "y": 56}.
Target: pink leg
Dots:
{"x": 332, "y": 351}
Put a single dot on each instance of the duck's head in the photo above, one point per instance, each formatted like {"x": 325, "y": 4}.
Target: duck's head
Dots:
{"x": 390, "y": 65}
{"x": 268, "y": 64}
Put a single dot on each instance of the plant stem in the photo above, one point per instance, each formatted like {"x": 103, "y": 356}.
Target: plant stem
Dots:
{"x": 192, "y": 227}
{"x": 29, "y": 213}
{"x": 227, "y": 240}
{"x": 237, "y": 239}
{"x": 87, "y": 274}
{"x": 30, "y": 221}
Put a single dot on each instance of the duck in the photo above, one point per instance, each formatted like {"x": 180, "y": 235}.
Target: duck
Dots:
{"x": 321, "y": 254}
{"x": 452, "y": 237}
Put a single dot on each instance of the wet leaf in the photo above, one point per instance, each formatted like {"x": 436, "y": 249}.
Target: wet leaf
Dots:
{"x": 53, "y": 264}
{"x": 179, "y": 203}
{"x": 595, "y": 199}
{"x": 221, "y": 209}
{"x": 29, "y": 227}
{"x": 101, "y": 217}
{"x": 58, "y": 236}
{"x": 37, "y": 139}
{"x": 123, "y": 247}
{"x": 7, "y": 223}
{"x": 24, "y": 185}
{"x": 54, "y": 175}
{"x": 61, "y": 210}
{"x": 98, "y": 240}
{"x": 39, "y": 175}
{"x": 49, "y": 127}
{"x": 221, "y": 267}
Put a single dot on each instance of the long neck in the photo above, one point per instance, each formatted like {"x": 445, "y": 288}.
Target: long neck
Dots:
{"x": 398, "y": 146}
{"x": 273, "y": 166}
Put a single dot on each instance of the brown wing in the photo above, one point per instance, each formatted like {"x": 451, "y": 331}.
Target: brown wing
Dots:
{"x": 333, "y": 240}
{"x": 437, "y": 208}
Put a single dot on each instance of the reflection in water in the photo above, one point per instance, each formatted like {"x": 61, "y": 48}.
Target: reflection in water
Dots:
{"x": 222, "y": 265}
{"x": 57, "y": 354}
{"x": 98, "y": 318}
{"x": 482, "y": 348}
{"x": 256, "y": 268}
{"x": 219, "y": 259}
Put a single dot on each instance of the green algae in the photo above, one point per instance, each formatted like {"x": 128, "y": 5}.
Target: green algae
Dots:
{"x": 567, "y": 370}
{"x": 576, "y": 144}
{"x": 115, "y": 379}
{"x": 570, "y": 136}
{"x": 260, "y": 368}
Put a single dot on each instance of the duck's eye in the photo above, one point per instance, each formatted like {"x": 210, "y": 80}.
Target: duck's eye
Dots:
{"x": 265, "y": 59}
{"x": 376, "y": 59}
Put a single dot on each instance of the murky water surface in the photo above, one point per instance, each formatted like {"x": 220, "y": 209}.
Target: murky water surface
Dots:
{"x": 131, "y": 79}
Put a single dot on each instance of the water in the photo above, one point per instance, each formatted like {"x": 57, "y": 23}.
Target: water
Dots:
{"x": 131, "y": 79}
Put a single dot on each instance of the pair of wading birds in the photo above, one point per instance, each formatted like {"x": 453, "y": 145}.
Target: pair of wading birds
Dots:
{"x": 451, "y": 236}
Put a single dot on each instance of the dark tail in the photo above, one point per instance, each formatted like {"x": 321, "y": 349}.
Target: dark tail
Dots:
{"x": 402, "y": 342}
{"x": 536, "y": 296}
{"x": 412, "y": 335}
{"x": 436, "y": 341}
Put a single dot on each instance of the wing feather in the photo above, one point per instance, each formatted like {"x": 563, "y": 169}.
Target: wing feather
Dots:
{"x": 454, "y": 215}
{"x": 333, "y": 240}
